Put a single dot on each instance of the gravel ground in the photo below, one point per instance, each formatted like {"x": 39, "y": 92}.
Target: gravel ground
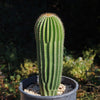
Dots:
{"x": 35, "y": 90}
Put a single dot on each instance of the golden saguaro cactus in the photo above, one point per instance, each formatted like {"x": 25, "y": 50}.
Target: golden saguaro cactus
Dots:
{"x": 49, "y": 32}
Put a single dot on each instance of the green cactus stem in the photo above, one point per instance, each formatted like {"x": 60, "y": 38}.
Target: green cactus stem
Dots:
{"x": 49, "y": 34}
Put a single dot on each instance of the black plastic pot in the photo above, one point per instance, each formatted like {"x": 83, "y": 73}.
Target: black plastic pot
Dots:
{"x": 66, "y": 96}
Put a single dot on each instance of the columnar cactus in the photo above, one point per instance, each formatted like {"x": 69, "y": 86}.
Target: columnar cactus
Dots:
{"x": 49, "y": 33}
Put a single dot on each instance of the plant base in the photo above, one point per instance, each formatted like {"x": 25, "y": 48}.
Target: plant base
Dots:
{"x": 34, "y": 80}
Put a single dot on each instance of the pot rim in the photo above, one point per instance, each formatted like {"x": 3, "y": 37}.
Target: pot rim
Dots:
{"x": 57, "y": 96}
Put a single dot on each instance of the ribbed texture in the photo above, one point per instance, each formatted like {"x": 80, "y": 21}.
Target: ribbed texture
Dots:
{"x": 49, "y": 34}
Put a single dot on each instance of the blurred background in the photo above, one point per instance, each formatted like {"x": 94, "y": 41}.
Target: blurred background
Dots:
{"x": 80, "y": 19}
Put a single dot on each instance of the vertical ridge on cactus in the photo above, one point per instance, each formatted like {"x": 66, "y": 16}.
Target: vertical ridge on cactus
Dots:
{"x": 49, "y": 34}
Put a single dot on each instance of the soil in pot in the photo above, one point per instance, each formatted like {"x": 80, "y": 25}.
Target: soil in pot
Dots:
{"x": 35, "y": 90}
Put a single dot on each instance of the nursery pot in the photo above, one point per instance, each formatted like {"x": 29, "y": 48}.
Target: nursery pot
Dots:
{"x": 34, "y": 80}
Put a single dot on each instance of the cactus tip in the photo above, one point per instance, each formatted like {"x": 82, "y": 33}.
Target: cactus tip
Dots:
{"x": 48, "y": 14}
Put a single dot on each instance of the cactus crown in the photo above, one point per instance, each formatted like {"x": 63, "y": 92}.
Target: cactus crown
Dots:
{"x": 49, "y": 33}
{"x": 48, "y": 14}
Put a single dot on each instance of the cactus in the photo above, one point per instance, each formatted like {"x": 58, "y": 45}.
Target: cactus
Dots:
{"x": 49, "y": 34}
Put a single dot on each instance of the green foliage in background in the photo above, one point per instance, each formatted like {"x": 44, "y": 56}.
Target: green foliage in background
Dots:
{"x": 10, "y": 86}
{"x": 27, "y": 68}
{"x": 78, "y": 68}
{"x": 12, "y": 79}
